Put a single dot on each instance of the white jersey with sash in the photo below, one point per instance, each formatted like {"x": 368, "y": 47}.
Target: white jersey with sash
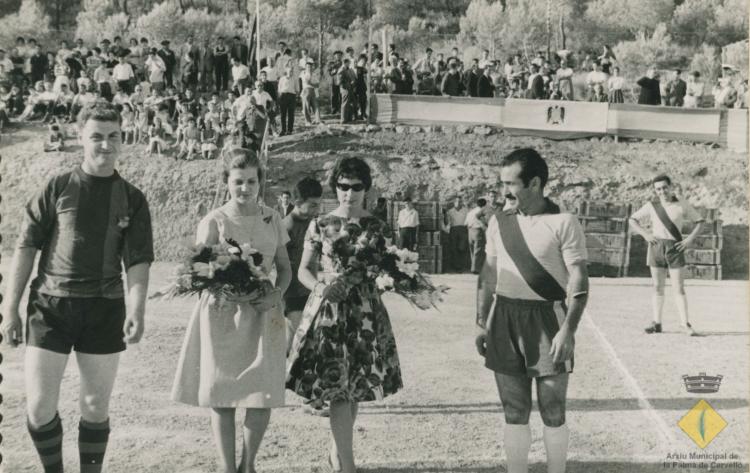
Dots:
{"x": 670, "y": 217}
{"x": 555, "y": 241}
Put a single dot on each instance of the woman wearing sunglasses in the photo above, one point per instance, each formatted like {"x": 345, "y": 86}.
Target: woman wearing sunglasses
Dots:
{"x": 344, "y": 351}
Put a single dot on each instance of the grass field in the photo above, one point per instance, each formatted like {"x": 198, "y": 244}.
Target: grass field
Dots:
{"x": 625, "y": 396}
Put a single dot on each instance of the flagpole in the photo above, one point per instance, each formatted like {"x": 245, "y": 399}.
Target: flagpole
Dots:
{"x": 257, "y": 36}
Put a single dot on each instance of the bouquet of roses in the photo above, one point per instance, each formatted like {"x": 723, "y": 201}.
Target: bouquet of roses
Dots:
{"x": 227, "y": 270}
{"x": 362, "y": 253}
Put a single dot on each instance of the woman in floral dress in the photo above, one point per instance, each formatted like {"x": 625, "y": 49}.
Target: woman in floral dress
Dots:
{"x": 234, "y": 352}
{"x": 344, "y": 351}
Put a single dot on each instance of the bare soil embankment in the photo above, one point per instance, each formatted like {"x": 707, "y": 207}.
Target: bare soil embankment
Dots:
{"x": 432, "y": 165}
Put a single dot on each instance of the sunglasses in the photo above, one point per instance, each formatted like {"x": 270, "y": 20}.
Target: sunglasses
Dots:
{"x": 355, "y": 187}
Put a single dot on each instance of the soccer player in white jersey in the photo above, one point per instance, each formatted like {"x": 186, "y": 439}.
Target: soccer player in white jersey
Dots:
{"x": 532, "y": 291}
{"x": 666, "y": 247}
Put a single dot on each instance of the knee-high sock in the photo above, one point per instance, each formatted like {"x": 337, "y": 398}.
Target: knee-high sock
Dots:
{"x": 556, "y": 444}
{"x": 48, "y": 443}
{"x": 92, "y": 444}
{"x": 681, "y": 300}
{"x": 657, "y": 302}
{"x": 517, "y": 446}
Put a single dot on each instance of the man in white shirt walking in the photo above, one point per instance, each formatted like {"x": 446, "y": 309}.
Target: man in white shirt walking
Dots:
{"x": 124, "y": 76}
{"x": 458, "y": 241}
{"x": 475, "y": 223}
{"x": 408, "y": 225}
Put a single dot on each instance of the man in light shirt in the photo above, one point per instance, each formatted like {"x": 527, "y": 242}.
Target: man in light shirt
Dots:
{"x": 240, "y": 76}
{"x": 458, "y": 242}
{"x": 475, "y": 223}
{"x": 124, "y": 75}
{"x": 408, "y": 225}
{"x": 156, "y": 69}
{"x": 531, "y": 294}
{"x": 666, "y": 247}
{"x": 287, "y": 100}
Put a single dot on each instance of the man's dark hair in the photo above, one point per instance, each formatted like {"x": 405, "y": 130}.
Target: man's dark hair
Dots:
{"x": 407, "y": 199}
{"x": 117, "y": 38}
{"x": 532, "y": 165}
{"x": 286, "y": 193}
{"x": 678, "y": 71}
{"x": 428, "y": 50}
{"x": 144, "y": 40}
{"x": 534, "y": 68}
{"x": 237, "y": 38}
{"x": 381, "y": 200}
{"x": 307, "y": 188}
{"x": 20, "y": 39}
{"x": 100, "y": 110}
{"x": 352, "y": 168}
{"x": 481, "y": 202}
{"x": 662, "y": 177}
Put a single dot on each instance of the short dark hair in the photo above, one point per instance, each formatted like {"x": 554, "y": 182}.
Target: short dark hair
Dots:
{"x": 307, "y": 188}
{"x": 286, "y": 193}
{"x": 428, "y": 50}
{"x": 241, "y": 158}
{"x": 99, "y": 110}
{"x": 532, "y": 165}
{"x": 353, "y": 168}
{"x": 407, "y": 199}
{"x": 481, "y": 202}
{"x": 662, "y": 177}
{"x": 117, "y": 38}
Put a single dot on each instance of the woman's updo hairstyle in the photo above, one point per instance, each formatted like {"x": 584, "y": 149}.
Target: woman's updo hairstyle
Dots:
{"x": 351, "y": 168}
{"x": 241, "y": 158}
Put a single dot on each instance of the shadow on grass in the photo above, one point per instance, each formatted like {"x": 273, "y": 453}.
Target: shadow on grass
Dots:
{"x": 619, "y": 404}
{"x": 572, "y": 467}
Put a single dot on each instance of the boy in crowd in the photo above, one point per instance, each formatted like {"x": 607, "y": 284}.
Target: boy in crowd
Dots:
{"x": 306, "y": 197}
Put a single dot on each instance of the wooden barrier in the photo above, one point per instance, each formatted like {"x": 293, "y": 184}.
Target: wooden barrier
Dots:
{"x": 565, "y": 119}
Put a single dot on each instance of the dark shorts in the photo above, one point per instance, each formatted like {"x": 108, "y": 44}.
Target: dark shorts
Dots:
{"x": 294, "y": 304}
{"x": 519, "y": 337}
{"x": 86, "y": 324}
{"x": 663, "y": 254}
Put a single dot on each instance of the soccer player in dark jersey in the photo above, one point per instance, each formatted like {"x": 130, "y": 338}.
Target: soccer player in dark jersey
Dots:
{"x": 88, "y": 223}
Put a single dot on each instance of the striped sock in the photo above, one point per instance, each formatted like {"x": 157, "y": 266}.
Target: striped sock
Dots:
{"x": 92, "y": 444}
{"x": 48, "y": 442}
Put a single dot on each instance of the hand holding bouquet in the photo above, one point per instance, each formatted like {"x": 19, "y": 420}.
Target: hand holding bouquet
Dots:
{"x": 360, "y": 254}
{"x": 228, "y": 270}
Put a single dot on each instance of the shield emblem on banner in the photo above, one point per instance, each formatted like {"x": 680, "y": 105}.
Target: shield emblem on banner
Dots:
{"x": 555, "y": 115}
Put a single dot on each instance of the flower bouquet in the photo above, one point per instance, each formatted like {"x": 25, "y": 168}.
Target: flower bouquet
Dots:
{"x": 362, "y": 253}
{"x": 228, "y": 270}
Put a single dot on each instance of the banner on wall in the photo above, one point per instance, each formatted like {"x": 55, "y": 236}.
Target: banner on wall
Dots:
{"x": 554, "y": 118}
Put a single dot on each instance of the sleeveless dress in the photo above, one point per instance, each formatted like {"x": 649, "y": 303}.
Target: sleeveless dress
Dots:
{"x": 343, "y": 351}
{"x": 233, "y": 356}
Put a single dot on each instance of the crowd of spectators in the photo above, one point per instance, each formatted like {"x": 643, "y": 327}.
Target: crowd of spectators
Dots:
{"x": 200, "y": 98}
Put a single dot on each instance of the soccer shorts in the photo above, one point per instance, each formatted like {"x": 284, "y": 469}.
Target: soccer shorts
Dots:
{"x": 663, "y": 254}
{"x": 519, "y": 337}
{"x": 86, "y": 324}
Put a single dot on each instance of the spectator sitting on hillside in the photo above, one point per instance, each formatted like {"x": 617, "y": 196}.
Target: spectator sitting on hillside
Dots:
{"x": 156, "y": 135}
{"x": 596, "y": 76}
{"x": 598, "y": 94}
{"x": 471, "y": 78}
{"x": 650, "y": 93}
{"x": 535, "y": 90}
{"x": 485, "y": 86}
{"x": 55, "y": 138}
{"x": 725, "y": 95}
{"x": 694, "y": 90}
{"x": 564, "y": 79}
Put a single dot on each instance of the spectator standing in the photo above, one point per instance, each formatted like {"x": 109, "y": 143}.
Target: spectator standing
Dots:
{"x": 425, "y": 70}
{"x": 334, "y": 69}
{"x": 471, "y": 78}
{"x": 271, "y": 82}
{"x": 381, "y": 209}
{"x": 676, "y": 90}
{"x": 240, "y": 76}
{"x": 124, "y": 76}
{"x": 564, "y": 78}
{"x": 596, "y": 76}
{"x": 285, "y": 206}
{"x": 615, "y": 85}
{"x": 694, "y": 90}
{"x": 206, "y": 66}
{"x": 348, "y": 81}
{"x": 287, "y": 101}
{"x": 156, "y": 70}
{"x": 485, "y": 62}
{"x": 170, "y": 62}
{"x": 452, "y": 85}
{"x": 650, "y": 93}
{"x": 535, "y": 89}
{"x": 477, "y": 226}
{"x": 221, "y": 64}
{"x": 38, "y": 62}
{"x": 306, "y": 197}
{"x": 485, "y": 86}
{"x": 309, "y": 94}
{"x": 607, "y": 59}
{"x": 189, "y": 72}
{"x": 240, "y": 51}
{"x": 361, "y": 88}
{"x": 458, "y": 241}
{"x": 408, "y": 225}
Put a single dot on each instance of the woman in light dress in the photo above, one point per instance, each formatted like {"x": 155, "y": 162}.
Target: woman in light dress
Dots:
{"x": 234, "y": 351}
{"x": 694, "y": 92}
{"x": 615, "y": 85}
{"x": 344, "y": 351}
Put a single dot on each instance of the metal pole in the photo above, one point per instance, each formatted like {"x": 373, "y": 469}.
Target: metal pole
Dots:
{"x": 549, "y": 27}
{"x": 257, "y": 30}
{"x": 369, "y": 61}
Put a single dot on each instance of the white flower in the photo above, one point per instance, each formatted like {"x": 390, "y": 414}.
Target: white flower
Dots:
{"x": 393, "y": 249}
{"x": 410, "y": 269}
{"x": 247, "y": 249}
{"x": 384, "y": 282}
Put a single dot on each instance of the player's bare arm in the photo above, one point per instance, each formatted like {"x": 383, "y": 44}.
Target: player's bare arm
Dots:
{"x": 687, "y": 241}
{"x": 564, "y": 341}
{"x": 137, "y": 279}
{"x": 486, "y": 283}
{"x": 20, "y": 271}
